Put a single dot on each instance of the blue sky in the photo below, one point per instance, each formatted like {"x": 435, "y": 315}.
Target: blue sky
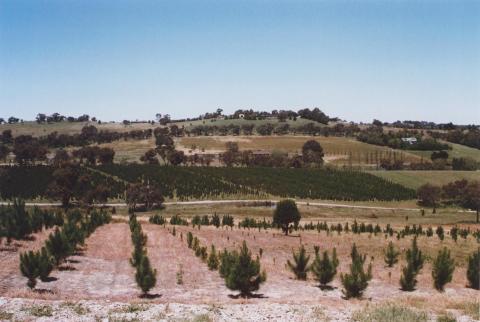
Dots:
{"x": 358, "y": 60}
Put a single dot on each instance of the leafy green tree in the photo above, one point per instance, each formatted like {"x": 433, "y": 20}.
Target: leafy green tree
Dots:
{"x": 45, "y": 264}
{"x": 245, "y": 274}
{"x": 312, "y": 152}
{"x": 391, "y": 255}
{"x": 285, "y": 214}
{"x": 473, "y": 270}
{"x": 212, "y": 259}
{"x": 323, "y": 267}
{"x": 442, "y": 270}
{"x": 29, "y": 267}
{"x": 429, "y": 196}
{"x": 145, "y": 275}
{"x": 356, "y": 281}
{"x": 300, "y": 266}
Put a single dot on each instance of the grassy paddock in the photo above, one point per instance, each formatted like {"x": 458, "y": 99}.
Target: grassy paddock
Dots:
{"x": 35, "y": 129}
{"x": 414, "y": 179}
{"x": 336, "y": 148}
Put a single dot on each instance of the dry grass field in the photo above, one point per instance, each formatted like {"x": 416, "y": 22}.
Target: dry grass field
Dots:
{"x": 35, "y": 129}
{"x": 337, "y": 149}
{"x": 101, "y": 270}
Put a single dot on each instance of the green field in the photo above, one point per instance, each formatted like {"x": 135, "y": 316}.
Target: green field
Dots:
{"x": 414, "y": 179}
{"x": 457, "y": 151}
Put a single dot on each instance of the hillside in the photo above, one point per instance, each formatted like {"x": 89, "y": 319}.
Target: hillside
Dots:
{"x": 414, "y": 179}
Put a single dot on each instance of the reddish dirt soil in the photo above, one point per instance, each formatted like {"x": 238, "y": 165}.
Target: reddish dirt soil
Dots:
{"x": 103, "y": 270}
{"x": 10, "y": 276}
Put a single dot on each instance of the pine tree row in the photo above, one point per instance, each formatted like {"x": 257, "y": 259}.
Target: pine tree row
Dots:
{"x": 239, "y": 270}
{"x": 60, "y": 244}
{"x": 17, "y": 223}
{"x": 145, "y": 275}
{"x": 356, "y": 281}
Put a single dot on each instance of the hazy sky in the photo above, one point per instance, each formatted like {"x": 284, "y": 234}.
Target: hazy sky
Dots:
{"x": 131, "y": 59}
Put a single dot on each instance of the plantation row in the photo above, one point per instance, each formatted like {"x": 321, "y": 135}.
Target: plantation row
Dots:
{"x": 355, "y": 227}
{"x": 210, "y": 182}
{"x": 244, "y": 274}
{"x": 238, "y": 269}
{"x": 32, "y": 182}
{"x": 60, "y": 244}
{"x": 18, "y": 223}
{"x": 145, "y": 275}
{"x": 180, "y": 182}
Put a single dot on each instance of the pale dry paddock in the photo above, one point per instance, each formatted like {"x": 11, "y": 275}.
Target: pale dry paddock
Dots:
{"x": 102, "y": 272}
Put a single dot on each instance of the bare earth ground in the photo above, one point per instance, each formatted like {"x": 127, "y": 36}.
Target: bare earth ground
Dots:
{"x": 100, "y": 280}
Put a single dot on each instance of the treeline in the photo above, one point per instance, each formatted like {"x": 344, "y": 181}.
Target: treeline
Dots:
{"x": 214, "y": 220}
{"x": 462, "y": 193}
{"x": 376, "y": 135}
{"x": 469, "y": 137}
{"x": 270, "y": 129}
{"x": 66, "y": 183}
{"x": 60, "y": 244}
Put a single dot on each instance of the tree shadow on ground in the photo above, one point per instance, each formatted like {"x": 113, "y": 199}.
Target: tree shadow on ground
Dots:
{"x": 150, "y": 296}
{"x": 247, "y": 296}
{"x": 43, "y": 291}
{"x": 66, "y": 268}
{"x": 327, "y": 287}
{"x": 73, "y": 261}
{"x": 49, "y": 279}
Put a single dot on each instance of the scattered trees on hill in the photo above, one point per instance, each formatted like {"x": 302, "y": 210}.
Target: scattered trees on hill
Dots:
{"x": 285, "y": 214}
{"x": 462, "y": 193}
{"x": 355, "y": 282}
